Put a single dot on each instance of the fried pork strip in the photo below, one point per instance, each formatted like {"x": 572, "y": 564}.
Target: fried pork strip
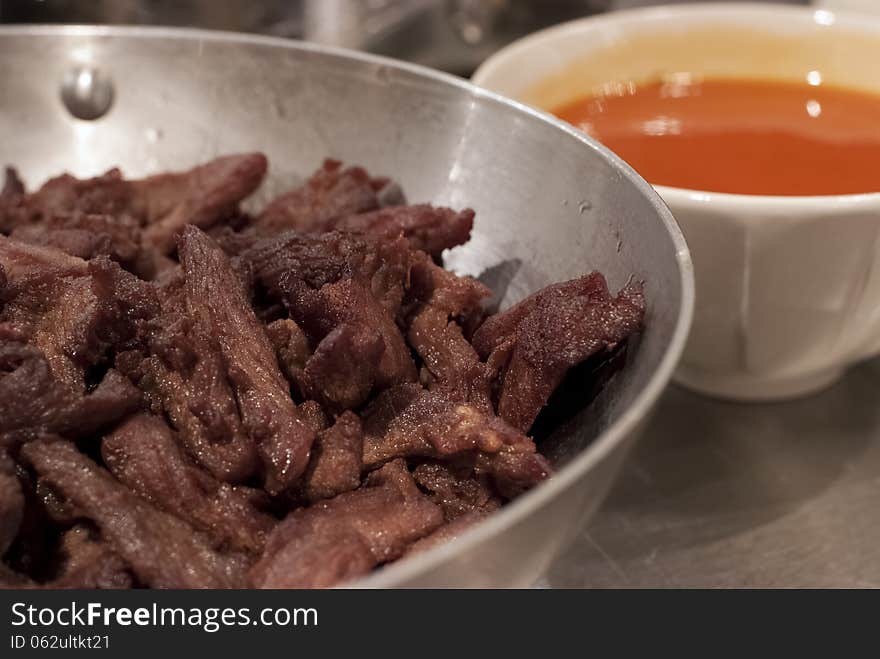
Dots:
{"x": 144, "y": 455}
{"x": 216, "y": 300}
{"x": 162, "y": 550}
{"x": 348, "y": 535}
{"x": 220, "y": 371}
{"x": 543, "y": 336}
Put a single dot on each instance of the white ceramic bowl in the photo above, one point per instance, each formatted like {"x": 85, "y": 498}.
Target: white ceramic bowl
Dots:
{"x": 788, "y": 288}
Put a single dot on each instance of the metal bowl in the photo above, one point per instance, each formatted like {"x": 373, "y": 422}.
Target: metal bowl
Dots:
{"x": 551, "y": 204}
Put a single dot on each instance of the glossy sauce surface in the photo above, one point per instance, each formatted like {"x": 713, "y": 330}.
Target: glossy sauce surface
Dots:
{"x": 739, "y": 136}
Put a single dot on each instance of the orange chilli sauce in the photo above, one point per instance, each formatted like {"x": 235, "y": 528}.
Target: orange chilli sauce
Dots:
{"x": 740, "y": 136}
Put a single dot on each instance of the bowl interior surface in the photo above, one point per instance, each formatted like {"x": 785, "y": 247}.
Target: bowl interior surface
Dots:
{"x": 550, "y": 203}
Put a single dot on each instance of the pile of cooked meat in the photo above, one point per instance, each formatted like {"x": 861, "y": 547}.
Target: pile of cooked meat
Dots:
{"x": 196, "y": 396}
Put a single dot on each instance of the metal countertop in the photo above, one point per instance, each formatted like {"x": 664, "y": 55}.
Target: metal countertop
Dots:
{"x": 720, "y": 494}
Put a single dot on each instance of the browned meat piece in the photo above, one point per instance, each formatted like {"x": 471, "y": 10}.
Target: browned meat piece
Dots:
{"x": 90, "y": 315}
{"x": 108, "y": 194}
{"x": 31, "y": 555}
{"x": 346, "y": 536}
{"x": 437, "y": 301}
{"x": 12, "y": 502}
{"x": 12, "y": 184}
{"x": 345, "y": 366}
{"x": 514, "y": 469}
{"x": 455, "y": 489}
{"x": 449, "y": 358}
{"x": 428, "y": 228}
{"x": 33, "y": 400}
{"x": 201, "y": 196}
{"x": 72, "y": 310}
{"x": 216, "y": 300}
{"x": 336, "y": 459}
{"x": 313, "y": 416}
{"x": 321, "y": 311}
{"x": 431, "y": 285}
{"x": 449, "y": 531}
{"x": 143, "y": 455}
{"x": 331, "y": 192}
{"x": 87, "y": 236}
{"x": 198, "y": 400}
{"x": 342, "y": 371}
{"x": 114, "y": 398}
{"x": 57, "y": 509}
{"x": 407, "y": 421}
{"x": 543, "y": 336}
{"x": 291, "y": 347}
{"x": 89, "y": 563}
{"x": 168, "y": 273}
{"x": 26, "y": 266}
{"x": 164, "y": 203}
{"x": 11, "y": 201}
{"x": 182, "y": 374}
{"x": 234, "y": 243}
{"x": 315, "y": 557}
{"x": 68, "y": 325}
{"x": 381, "y": 414}
{"x": 162, "y": 551}
{"x": 381, "y": 265}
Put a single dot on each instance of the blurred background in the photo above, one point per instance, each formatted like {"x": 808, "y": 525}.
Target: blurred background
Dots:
{"x": 452, "y": 35}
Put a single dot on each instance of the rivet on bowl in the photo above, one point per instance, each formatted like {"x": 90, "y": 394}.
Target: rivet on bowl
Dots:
{"x": 87, "y": 93}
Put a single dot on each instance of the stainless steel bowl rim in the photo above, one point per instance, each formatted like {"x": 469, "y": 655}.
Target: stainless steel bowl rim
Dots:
{"x": 521, "y": 507}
